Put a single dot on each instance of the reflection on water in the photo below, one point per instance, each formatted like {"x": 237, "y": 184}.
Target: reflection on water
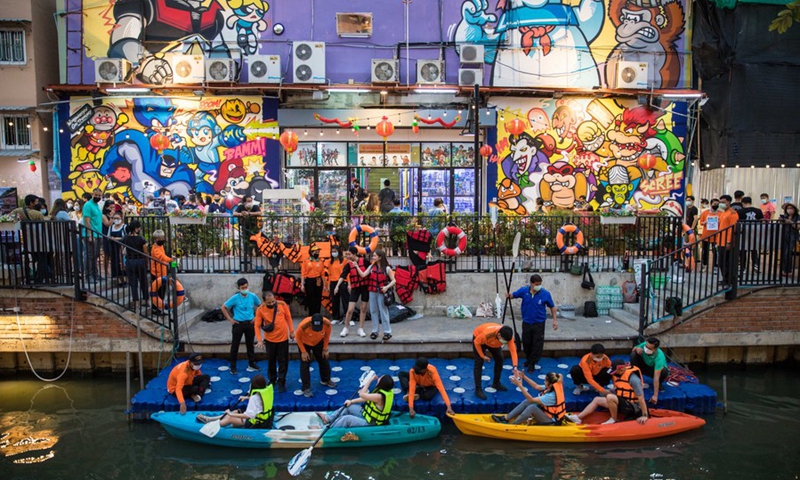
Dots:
{"x": 78, "y": 430}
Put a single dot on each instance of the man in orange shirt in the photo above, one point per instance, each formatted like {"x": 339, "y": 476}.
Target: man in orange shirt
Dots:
{"x": 312, "y": 336}
{"x": 273, "y": 320}
{"x": 592, "y": 370}
{"x": 491, "y": 337}
{"x": 186, "y": 379}
{"x": 311, "y": 280}
{"x": 727, "y": 219}
{"x": 710, "y": 221}
{"x": 422, "y": 382}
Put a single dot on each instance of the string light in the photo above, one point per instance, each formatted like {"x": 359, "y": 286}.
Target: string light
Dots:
{"x": 28, "y": 125}
{"x": 723, "y": 165}
{"x": 60, "y": 130}
{"x": 459, "y": 111}
{"x": 305, "y": 132}
{"x": 737, "y": 166}
{"x": 767, "y": 166}
{"x": 445, "y": 114}
{"x": 337, "y": 131}
{"x": 45, "y": 129}
{"x": 320, "y": 132}
{"x": 752, "y": 167}
{"x": 783, "y": 165}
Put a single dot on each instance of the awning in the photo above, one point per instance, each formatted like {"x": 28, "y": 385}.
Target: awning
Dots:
{"x": 9, "y": 108}
{"x": 21, "y": 153}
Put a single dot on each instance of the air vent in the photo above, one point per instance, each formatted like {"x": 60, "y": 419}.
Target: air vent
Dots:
{"x": 220, "y": 70}
{"x": 384, "y": 70}
{"x": 187, "y": 68}
{"x": 264, "y": 69}
{"x": 632, "y": 75}
{"x": 468, "y": 77}
{"x": 430, "y": 71}
{"x": 111, "y": 70}
{"x": 308, "y": 62}
{"x": 471, "y": 54}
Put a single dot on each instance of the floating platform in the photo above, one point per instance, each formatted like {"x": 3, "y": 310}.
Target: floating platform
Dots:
{"x": 456, "y": 376}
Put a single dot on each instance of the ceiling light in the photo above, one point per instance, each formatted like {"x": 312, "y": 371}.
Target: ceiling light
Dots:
{"x": 128, "y": 90}
{"x": 349, "y": 90}
{"x": 682, "y": 96}
{"x": 436, "y": 90}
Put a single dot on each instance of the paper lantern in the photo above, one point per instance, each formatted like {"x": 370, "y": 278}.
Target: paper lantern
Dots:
{"x": 415, "y": 126}
{"x": 486, "y": 151}
{"x": 32, "y": 165}
{"x": 289, "y": 141}
{"x": 385, "y": 128}
{"x": 515, "y": 126}
{"x": 159, "y": 142}
{"x": 647, "y": 161}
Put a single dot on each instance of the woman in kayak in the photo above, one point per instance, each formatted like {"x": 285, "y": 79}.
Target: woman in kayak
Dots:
{"x": 546, "y": 409}
{"x": 376, "y": 410}
{"x": 259, "y": 412}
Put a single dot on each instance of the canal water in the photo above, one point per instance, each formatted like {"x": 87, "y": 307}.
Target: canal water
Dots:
{"x": 76, "y": 429}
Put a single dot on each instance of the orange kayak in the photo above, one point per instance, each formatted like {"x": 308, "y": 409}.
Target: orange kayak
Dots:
{"x": 660, "y": 424}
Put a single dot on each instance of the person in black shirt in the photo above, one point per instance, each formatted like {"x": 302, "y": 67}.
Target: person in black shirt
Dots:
{"x": 217, "y": 205}
{"x": 752, "y": 232}
{"x": 136, "y": 263}
{"x": 248, "y": 213}
{"x": 357, "y": 194}
{"x": 738, "y": 195}
{"x": 386, "y": 197}
{"x": 691, "y": 211}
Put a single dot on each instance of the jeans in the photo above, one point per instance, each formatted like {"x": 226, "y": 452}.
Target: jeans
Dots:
{"x": 532, "y": 343}
{"x": 136, "y": 270}
{"x": 277, "y": 361}
{"x": 525, "y": 410}
{"x": 322, "y": 362}
{"x": 379, "y": 313}
{"x": 92, "y": 255}
{"x": 237, "y": 330}
{"x": 347, "y": 417}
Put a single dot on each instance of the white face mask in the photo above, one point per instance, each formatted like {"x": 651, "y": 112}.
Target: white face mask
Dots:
{"x": 689, "y": 203}
{"x": 117, "y": 221}
{"x": 648, "y": 351}
{"x": 763, "y": 201}
{"x": 70, "y": 205}
{"x": 723, "y": 206}
{"x": 334, "y": 254}
{"x": 166, "y": 197}
{"x": 597, "y": 359}
{"x": 196, "y": 367}
{"x": 77, "y": 208}
{"x": 536, "y": 288}
{"x": 243, "y": 291}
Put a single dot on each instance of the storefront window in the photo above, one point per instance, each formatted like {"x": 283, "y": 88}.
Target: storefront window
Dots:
{"x": 332, "y": 188}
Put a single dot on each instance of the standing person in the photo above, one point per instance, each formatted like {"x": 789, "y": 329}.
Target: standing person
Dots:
{"x": 274, "y": 321}
{"x": 135, "y": 249}
{"x": 728, "y": 218}
{"x": 60, "y": 211}
{"x": 750, "y": 218}
{"x": 380, "y": 278}
{"x": 652, "y": 362}
{"x": 240, "y": 310}
{"x": 698, "y": 229}
{"x": 767, "y": 207}
{"x": 186, "y": 380}
{"x": 217, "y": 205}
{"x": 421, "y": 383}
{"x": 76, "y": 210}
{"x": 248, "y": 213}
{"x": 333, "y": 271}
{"x": 386, "y": 197}
{"x": 313, "y": 335}
{"x": 357, "y": 194}
{"x": 434, "y": 213}
{"x": 373, "y": 205}
{"x": 107, "y": 209}
{"x": 357, "y": 292}
{"x": 159, "y": 267}
{"x": 592, "y": 370}
{"x": 35, "y": 241}
{"x": 93, "y": 220}
{"x": 548, "y": 408}
{"x": 491, "y": 337}
{"x": 710, "y": 221}
{"x": 117, "y": 231}
{"x": 311, "y": 271}
{"x": 259, "y": 412}
{"x": 736, "y": 204}
{"x": 791, "y": 224}
{"x": 535, "y": 302}
{"x": 691, "y": 211}
{"x": 627, "y": 399}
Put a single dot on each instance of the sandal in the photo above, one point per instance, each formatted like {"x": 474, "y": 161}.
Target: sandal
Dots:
{"x": 387, "y": 336}
{"x": 373, "y": 336}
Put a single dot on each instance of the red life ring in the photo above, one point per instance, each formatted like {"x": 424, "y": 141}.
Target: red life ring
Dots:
{"x": 448, "y": 231}
{"x": 569, "y": 249}
{"x": 158, "y": 301}
{"x": 373, "y": 239}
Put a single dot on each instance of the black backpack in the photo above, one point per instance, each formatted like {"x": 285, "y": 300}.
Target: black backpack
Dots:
{"x": 213, "y": 316}
{"x": 590, "y": 309}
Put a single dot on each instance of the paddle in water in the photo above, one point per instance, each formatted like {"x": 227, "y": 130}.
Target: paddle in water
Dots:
{"x": 299, "y": 462}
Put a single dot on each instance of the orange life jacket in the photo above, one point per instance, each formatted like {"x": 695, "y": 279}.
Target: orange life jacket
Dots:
{"x": 558, "y": 410}
{"x": 622, "y": 384}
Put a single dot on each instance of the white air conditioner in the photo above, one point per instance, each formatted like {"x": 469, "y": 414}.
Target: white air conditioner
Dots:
{"x": 468, "y": 77}
{"x": 430, "y": 71}
{"x": 220, "y": 70}
{"x": 264, "y": 69}
{"x": 384, "y": 70}
{"x": 308, "y": 62}
{"x": 187, "y": 68}
{"x": 632, "y": 75}
{"x": 111, "y": 70}
{"x": 471, "y": 54}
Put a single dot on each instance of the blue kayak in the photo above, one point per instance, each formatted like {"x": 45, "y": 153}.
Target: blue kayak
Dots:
{"x": 299, "y": 430}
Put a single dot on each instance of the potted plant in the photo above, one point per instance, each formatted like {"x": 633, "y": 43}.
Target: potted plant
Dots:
{"x": 9, "y": 222}
{"x": 614, "y": 216}
{"x": 188, "y": 217}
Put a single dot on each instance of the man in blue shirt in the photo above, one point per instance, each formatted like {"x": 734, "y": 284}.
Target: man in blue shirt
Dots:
{"x": 240, "y": 310}
{"x": 535, "y": 301}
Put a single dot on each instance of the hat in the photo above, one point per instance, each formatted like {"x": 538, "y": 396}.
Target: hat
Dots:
{"x": 421, "y": 365}
{"x": 615, "y": 365}
{"x": 197, "y": 359}
{"x": 316, "y": 322}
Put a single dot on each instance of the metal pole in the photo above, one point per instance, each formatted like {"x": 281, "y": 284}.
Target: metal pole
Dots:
{"x": 476, "y": 147}
{"x": 128, "y": 383}
{"x": 139, "y": 340}
{"x": 724, "y": 394}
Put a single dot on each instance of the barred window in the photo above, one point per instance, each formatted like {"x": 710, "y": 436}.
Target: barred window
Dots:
{"x": 12, "y": 47}
{"x": 16, "y": 132}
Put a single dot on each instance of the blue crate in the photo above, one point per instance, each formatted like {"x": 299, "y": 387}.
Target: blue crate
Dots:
{"x": 699, "y": 398}
{"x": 149, "y": 400}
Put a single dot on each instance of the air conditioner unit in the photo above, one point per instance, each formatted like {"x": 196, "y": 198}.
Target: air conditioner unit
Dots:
{"x": 220, "y": 70}
{"x": 471, "y": 54}
{"x": 632, "y": 75}
{"x": 111, "y": 70}
{"x": 467, "y": 77}
{"x": 187, "y": 68}
{"x": 384, "y": 70}
{"x": 264, "y": 69}
{"x": 430, "y": 71}
{"x": 308, "y": 62}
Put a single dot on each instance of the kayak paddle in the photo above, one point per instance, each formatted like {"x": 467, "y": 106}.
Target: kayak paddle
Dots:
{"x": 211, "y": 429}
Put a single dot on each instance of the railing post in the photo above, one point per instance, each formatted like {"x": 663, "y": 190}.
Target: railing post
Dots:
{"x": 644, "y": 294}
{"x": 173, "y": 277}
{"x": 733, "y": 263}
{"x": 76, "y": 260}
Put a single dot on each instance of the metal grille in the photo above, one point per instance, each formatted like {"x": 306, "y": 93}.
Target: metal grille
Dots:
{"x": 12, "y": 46}
{"x": 16, "y": 132}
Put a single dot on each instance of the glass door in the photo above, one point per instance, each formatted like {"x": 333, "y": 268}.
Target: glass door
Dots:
{"x": 332, "y": 191}
{"x": 464, "y": 190}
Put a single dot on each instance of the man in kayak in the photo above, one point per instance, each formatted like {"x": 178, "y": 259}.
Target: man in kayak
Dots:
{"x": 592, "y": 370}
{"x": 546, "y": 409}
{"x": 491, "y": 337}
{"x": 627, "y": 399}
{"x": 186, "y": 380}
{"x": 535, "y": 302}
{"x": 421, "y": 383}
{"x": 240, "y": 310}
{"x": 313, "y": 335}
{"x": 652, "y": 362}
{"x": 376, "y": 410}
{"x": 259, "y": 412}
{"x": 274, "y": 321}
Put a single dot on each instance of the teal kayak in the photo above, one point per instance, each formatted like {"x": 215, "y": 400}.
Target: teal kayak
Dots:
{"x": 299, "y": 430}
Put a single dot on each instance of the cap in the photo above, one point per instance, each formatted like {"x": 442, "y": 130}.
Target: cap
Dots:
{"x": 197, "y": 359}
{"x": 615, "y": 365}
{"x": 421, "y": 365}
{"x": 316, "y": 322}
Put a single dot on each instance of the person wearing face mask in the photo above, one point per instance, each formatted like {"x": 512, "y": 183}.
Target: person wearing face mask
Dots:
{"x": 698, "y": 228}
{"x": 691, "y": 210}
{"x": 592, "y": 370}
{"x": 187, "y": 380}
{"x": 789, "y": 237}
{"x": 248, "y": 212}
{"x": 651, "y": 360}
{"x": 767, "y": 207}
{"x": 159, "y": 268}
{"x": 216, "y": 205}
{"x": 116, "y": 231}
{"x": 311, "y": 271}
{"x": 535, "y": 302}
{"x": 333, "y": 271}
{"x": 710, "y": 221}
{"x": 728, "y": 218}
{"x": 273, "y": 322}
{"x": 240, "y": 311}
{"x": 93, "y": 221}
{"x": 313, "y": 335}
{"x": 136, "y": 264}
{"x": 627, "y": 399}
{"x": 491, "y": 337}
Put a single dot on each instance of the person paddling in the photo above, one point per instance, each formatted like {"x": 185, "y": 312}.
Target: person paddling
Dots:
{"x": 491, "y": 337}
{"x": 259, "y": 412}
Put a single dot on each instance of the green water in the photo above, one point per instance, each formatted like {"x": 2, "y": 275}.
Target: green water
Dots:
{"x": 75, "y": 429}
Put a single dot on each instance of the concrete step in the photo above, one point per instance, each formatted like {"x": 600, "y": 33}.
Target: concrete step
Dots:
{"x": 625, "y": 317}
{"x": 632, "y": 308}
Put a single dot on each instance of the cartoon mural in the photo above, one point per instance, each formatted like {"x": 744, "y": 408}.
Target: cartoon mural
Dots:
{"x": 614, "y": 155}
{"x": 202, "y": 144}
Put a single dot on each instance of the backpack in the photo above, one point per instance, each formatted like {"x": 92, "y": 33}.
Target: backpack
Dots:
{"x": 630, "y": 292}
{"x": 267, "y": 282}
{"x": 674, "y": 306}
{"x": 213, "y": 316}
{"x": 590, "y": 309}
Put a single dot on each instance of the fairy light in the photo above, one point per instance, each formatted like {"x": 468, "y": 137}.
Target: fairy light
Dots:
{"x": 305, "y": 132}
{"x": 60, "y": 130}
{"x": 45, "y": 129}
{"x": 337, "y": 131}
{"x": 752, "y": 167}
{"x": 783, "y": 165}
{"x": 723, "y": 165}
{"x": 459, "y": 112}
{"x": 767, "y": 166}
{"x": 320, "y": 132}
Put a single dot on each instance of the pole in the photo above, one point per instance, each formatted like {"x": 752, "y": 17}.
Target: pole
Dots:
{"x": 128, "y": 383}
{"x": 139, "y": 340}
{"x": 476, "y": 147}
{"x": 724, "y": 394}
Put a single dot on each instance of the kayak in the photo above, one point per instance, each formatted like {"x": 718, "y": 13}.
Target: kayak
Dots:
{"x": 660, "y": 424}
{"x": 299, "y": 430}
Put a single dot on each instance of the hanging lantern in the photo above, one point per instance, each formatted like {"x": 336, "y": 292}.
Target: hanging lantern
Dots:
{"x": 159, "y": 142}
{"x": 415, "y": 126}
{"x": 647, "y": 161}
{"x": 356, "y": 129}
{"x": 32, "y": 165}
{"x": 486, "y": 151}
{"x": 289, "y": 141}
{"x": 515, "y": 126}
{"x": 385, "y": 128}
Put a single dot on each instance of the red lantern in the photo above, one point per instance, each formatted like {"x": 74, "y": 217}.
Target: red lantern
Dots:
{"x": 32, "y": 165}
{"x": 515, "y": 126}
{"x": 486, "y": 151}
{"x": 289, "y": 141}
{"x": 385, "y": 128}
{"x": 159, "y": 142}
{"x": 647, "y": 161}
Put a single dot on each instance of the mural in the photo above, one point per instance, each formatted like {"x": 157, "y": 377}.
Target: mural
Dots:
{"x": 616, "y": 156}
{"x": 136, "y": 147}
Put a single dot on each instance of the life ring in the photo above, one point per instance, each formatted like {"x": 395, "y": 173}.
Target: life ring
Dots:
{"x": 688, "y": 258}
{"x": 158, "y": 301}
{"x": 442, "y": 237}
{"x": 373, "y": 239}
{"x": 571, "y": 249}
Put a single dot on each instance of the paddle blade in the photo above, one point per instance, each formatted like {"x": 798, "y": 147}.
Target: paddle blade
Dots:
{"x": 366, "y": 377}
{"x": 515, "y": 247}
{"x": 299, "y": 462}
{"x": 210, "y": 429}
{"x": 493, "y": 215}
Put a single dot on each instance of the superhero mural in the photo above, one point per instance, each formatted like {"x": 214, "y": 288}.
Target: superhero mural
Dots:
{"x": 137, "y": 147}
{"x": 614, "y": 154}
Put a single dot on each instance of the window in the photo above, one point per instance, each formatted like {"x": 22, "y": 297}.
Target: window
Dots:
{"x": 12, "y": 47}
{"x": 16, "y": 132}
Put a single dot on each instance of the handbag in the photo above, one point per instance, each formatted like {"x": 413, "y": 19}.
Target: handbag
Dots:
{"x": 576, "y": 269}
{"x": 388, "y": 297}
{"x": 587, "y": 284}
{"x": 268, "y": 327}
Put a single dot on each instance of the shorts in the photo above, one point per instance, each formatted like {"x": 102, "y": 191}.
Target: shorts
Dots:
{"x": 359, "y": 293}
{"x": 629, "y": 409}
{"x": 258, "y": 425}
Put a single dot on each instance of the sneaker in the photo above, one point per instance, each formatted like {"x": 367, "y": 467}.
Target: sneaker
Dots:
{"x": 281, "y": 388}
{"x": 499, "y": 387}
{"x": 645, "y": 385}
{"x": 574, "y": 419}
{"x": 335, "y": 322}
{"x": 329, "y": 383}
{"x": 578, "y": 390}
{"x": 196, "y": 398}
{"x": 480, "y": 394}
{"x": 233, "y": 371}
{"x": 499, "y": 418}
{"x": 352, "y": 323}
{"x": 307, "y": 393}
{"x": 344, "y": 332}
{"x": 362, "y": 333}
{"x": 252, "y": 366}
{"x": 405, "y": 397}
{"x": 609, "y": 421}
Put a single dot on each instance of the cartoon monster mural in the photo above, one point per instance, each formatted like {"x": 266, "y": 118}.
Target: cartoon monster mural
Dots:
{"x": 99, "y": 133}
{"x": 85, "y": 178}
{"x": 508, "y": 194}
{"x": 562, "y": 185}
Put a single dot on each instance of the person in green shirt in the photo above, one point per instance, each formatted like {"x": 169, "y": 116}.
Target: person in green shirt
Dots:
{"x": 93, "y": 221}
{"x": 652, "y": 362}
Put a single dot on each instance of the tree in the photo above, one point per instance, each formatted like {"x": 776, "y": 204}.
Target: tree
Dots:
{"x": 786, "y": 17}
